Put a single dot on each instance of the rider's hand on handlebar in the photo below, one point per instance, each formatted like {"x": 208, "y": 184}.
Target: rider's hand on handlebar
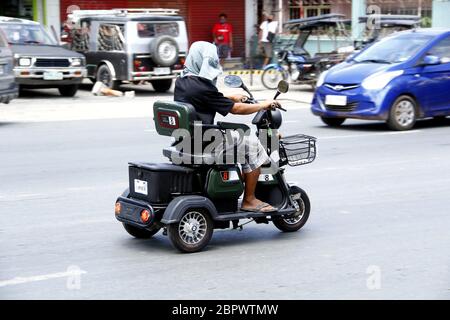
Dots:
{"x": 270, "y": 105}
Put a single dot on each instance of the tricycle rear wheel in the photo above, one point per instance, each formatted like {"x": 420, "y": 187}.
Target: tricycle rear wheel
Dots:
{"x": 297, "y": 220}
{"x": 140, "y": 233}
{"x": 193, "y": 232}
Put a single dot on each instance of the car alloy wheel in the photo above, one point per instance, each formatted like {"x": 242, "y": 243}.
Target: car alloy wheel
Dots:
{"x": 404, "y": 113}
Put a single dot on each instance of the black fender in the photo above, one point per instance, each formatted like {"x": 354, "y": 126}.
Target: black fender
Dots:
{"x": 179, "y": 205}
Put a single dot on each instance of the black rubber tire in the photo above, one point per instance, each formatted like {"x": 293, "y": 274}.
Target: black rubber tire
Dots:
{"x": 333, "y": 122}
{"x": 140, "y": 233}
{"x": 274, "y": 85}
{"x": 393, "y": 123}
{"x": 154, "y": 51}
{"x": 162, "y": 85}
{"x": 184, "y": 247}
{"x": 284, "y": 226}
{"x": 104, "y": 75}
{"x": 69, "y": 90}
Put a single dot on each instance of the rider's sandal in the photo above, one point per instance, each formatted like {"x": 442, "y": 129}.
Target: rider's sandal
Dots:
{"x": 259, "y": 207}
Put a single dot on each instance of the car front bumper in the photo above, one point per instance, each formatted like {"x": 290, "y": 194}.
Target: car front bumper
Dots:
{"x": 361, "y": 104}
{"x": 33, "y": 76}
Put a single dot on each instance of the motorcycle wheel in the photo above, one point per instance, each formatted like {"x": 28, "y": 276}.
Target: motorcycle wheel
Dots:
{"x": 298, "y": 220}
{"x": 270, "y": 78}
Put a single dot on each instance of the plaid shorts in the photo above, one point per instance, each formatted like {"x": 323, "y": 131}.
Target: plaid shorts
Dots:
{"x": 251, "y": 153}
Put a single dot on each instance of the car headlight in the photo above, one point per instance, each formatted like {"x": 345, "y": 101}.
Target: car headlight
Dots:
{"x": 321, "y": 79}
{"x": 24, "y": 62}
{"x": 76, "y": 62}
{"x": 380, "y": 80}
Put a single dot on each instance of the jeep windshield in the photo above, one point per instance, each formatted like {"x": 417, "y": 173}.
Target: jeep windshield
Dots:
{"x": 393, "y": 49}
{"x": 27, "y": 34}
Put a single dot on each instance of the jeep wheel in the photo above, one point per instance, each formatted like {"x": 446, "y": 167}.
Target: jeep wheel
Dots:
{"x": 161, "y": 85}
{"x": 164, "y": 51}
{"x": 193, "y": 232}
{"x": 105, "y": 76}
{"x": 69, "y": 90}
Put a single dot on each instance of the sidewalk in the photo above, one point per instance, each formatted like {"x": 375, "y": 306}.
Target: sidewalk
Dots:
{"x": 47, "y": 105}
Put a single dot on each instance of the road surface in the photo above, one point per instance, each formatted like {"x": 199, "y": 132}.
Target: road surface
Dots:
{"x": 379, "y": 227}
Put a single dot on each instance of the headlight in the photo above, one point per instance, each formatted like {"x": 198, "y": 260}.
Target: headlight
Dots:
{"x": 24, "y": 62}
{"x": 321, "y": 79}
{"x": 76, "y": 62}
{"x": 380, "y": 80}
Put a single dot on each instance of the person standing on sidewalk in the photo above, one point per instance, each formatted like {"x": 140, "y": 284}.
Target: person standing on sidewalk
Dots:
{"x": 267, "y": 32}
{"x": 223, "y": 37}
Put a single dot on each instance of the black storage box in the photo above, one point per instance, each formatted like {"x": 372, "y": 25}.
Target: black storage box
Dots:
{"x": 157, "y": 182}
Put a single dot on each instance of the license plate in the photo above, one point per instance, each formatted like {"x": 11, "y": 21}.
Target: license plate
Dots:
{"x": 336, "y": 100}
{"x": 53, "y": 75}
{"x": 161, "y": 71}
{"x": 140, "y": 186}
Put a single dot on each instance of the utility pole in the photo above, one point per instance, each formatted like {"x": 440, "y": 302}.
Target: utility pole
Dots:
{"x": 440, "y": 12}
{"x": 358, "y": 9}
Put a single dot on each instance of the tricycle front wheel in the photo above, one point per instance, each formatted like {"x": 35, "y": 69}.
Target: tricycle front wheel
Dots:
{"x": 297, "y": 220}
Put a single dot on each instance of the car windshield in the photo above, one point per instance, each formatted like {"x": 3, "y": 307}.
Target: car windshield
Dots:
{"x": 27, "y": 34}
{"x": 394, "y": 49}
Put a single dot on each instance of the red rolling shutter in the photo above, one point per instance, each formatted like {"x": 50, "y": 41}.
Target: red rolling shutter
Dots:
{"x": 203, "y": 14}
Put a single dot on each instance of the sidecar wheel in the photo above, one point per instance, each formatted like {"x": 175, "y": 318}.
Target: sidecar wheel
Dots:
{"x": 295, "y": 223}
{"x": 193, "y": 232}
{"x": 140, "y": 233}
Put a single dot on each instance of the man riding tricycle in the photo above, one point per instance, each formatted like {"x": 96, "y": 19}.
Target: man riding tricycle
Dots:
{"x": 219, "y": 173}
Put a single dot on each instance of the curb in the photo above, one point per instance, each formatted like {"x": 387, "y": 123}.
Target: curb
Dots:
{"x": 242, "y": 72}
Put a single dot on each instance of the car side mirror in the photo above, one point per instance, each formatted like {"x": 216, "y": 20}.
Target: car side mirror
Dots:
{"x": 430, "y": 60}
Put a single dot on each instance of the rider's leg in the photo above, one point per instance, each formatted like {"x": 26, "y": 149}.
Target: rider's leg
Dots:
{"x": 250, "y": 201}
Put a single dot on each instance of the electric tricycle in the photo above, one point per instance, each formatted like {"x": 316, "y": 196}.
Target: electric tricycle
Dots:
{"x": 188, "y": 199}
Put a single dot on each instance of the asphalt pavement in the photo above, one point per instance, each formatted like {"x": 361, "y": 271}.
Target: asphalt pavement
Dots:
{"x": 379, "y": 226}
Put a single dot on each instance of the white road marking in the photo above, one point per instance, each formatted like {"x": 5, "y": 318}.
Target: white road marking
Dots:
{"x": 31, "y": 196}
{"x": 21, "y": 280}
{"x": 370, "y": 135}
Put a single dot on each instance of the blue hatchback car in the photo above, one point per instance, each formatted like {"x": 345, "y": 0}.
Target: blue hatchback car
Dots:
{"x": 399, "y": 79}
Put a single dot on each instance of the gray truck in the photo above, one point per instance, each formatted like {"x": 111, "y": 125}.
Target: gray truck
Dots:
{"x": 39, "y": 60}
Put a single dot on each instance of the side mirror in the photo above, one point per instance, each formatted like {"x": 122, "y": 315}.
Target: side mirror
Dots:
{"x": 283, "y": 86}
{"x": 233, "y": 81}
{"x": 430, "y": 60}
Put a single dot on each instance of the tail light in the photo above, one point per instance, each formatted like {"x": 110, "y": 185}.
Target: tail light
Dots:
{"x": 145, "y": 215}
{"x": 138, "y": 66}
{"x": 117, "y": 208}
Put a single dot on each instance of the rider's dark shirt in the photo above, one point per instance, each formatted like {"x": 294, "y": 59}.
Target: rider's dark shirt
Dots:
{"x": 204, "y": 96}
